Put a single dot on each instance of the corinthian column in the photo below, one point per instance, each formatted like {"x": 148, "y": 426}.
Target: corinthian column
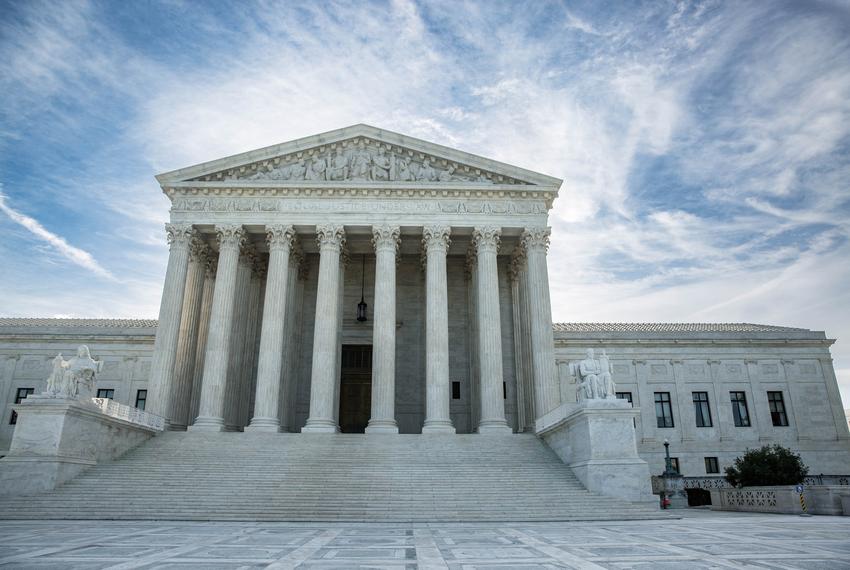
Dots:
{"x": 486, "y": 240}
{"x": 436, "y": 241}
{"x": 547, "y": 395}
{"x": 184, "y": 367}
{"x": 386, "y": 240}
{"x": 214, "y": 382}
{"x": 322, "y": 382}
{"x": 203, "y": 329}
{"x": 170, "y": 312}
{"x": 279, "y": 238}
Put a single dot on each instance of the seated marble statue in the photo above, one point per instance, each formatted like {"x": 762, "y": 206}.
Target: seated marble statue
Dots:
{"x": 594, "y": 375}
{"x": 74, "y": 378}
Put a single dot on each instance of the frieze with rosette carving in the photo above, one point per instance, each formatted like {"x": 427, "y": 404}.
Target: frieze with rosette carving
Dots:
{"x": 360, "y": 159}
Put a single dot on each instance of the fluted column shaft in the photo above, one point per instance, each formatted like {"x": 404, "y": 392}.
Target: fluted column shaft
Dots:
{"x": 288, "y": 375}
{"x": 547, "y": 395}
{"x": 203, "y": 330}
{"x": 486, "y": 240}
{"x": 322, "y": 382}
{"x": 279, "y": 238}
{"x": 184, "y": 367}
{"x": 214, "y": 382}
{"x": 170, "y": 312}
{"x": 437, "y": 387}
{"x": 239, "y": 321}
{"x": 382, "y": 420}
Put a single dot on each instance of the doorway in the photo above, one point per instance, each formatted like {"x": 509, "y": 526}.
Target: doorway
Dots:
{"x": 355, "y": 391}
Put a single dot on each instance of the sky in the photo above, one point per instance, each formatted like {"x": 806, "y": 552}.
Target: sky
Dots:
{"x": 703, "y": 145}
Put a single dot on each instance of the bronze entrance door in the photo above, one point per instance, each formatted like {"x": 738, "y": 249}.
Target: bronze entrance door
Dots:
{"x": 355, "y": 390}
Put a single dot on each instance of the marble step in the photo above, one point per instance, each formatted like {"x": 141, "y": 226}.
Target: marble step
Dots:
{"x": 343, "y": 477}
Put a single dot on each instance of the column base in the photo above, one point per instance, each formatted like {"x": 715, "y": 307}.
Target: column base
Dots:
{"x": 382, "y": 426}
{"x": 264, "y": 425}
{"x": 207, "y": 424}
{"x": 494, "y": 427}
{"x": 320, "y": 426}
{"x": 438, "y": 426}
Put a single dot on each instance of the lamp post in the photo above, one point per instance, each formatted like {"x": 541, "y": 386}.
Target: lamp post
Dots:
{"x": 673, "y": 496}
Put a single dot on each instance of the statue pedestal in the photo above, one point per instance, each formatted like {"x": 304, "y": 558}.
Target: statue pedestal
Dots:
{"x": 596, "y": 438}
{"x": 56, "y": 439}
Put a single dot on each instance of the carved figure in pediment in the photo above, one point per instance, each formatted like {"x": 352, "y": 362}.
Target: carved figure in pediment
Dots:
{"x": 297, "y": 171}
{"x": 316, "y": 169}
{"x": 426, "y": 172}
{"x": 400, "y": 169}
{"x": 448, "y": 175}
{"x": 380, "y": 166}
{"x": 261, "y": 174}
{"x": 337, "y": 167}
{"x": 361, "y": 162}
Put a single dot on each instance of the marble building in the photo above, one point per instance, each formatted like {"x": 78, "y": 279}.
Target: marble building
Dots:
{"x": 365, "y": 281}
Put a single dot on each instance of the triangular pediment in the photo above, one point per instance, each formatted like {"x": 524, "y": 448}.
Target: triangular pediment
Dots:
{"x": 360, "y": 154}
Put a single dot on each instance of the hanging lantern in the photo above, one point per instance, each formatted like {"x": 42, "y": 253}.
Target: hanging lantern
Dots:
{"x": 361, "y": 306}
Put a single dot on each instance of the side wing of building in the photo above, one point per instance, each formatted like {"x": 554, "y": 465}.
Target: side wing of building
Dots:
{"x": 715, "y": 390}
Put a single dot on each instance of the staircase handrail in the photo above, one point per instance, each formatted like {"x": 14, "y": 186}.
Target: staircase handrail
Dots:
{"x": 130, "y": 414}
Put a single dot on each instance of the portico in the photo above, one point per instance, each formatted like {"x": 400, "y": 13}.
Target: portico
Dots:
{"x": 271, "y": 250}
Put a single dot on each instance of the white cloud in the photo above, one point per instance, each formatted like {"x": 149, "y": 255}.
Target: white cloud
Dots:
{"x": 57, "y": 243}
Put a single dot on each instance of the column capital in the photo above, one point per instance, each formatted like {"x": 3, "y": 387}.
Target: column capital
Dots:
{"x": 386, "y": 237}
{"x": 230, "y": 236}
{"x": 536, "y": 238}
{"x": 199, "y": 251}
{"x": 517, "y": 263}
{"x": 436, "y": 236}
{"x": 247, "y": 255}
{"x": 487, "y": 238}
{"x": 280, "y": 236}
{"x": 211, "y": 267}
{"x": 179, "y": 235}
{"x": 330, "y": 236}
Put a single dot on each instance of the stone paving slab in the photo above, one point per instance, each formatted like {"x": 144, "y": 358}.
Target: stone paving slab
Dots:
{"x": 699, "y": 540}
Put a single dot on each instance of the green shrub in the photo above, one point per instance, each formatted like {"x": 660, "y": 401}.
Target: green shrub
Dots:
{"x": 770, "y": 465}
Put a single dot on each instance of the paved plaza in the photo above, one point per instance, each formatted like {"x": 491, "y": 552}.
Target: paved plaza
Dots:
{"x": 701, "y": 539}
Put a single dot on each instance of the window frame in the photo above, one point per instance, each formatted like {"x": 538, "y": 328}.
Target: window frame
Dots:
{"x": 107, "y": 390}
{"x": 663, "y": 418}
{"x": 143, "y": 400}
{"x": 702, "y": 409}
{"x": 739, "y": 403}
{"x": 628, "y": 397}
{"x": 20, "y": 395}
{"x": 781, "y": 415}
{"x": 708, "y": 464}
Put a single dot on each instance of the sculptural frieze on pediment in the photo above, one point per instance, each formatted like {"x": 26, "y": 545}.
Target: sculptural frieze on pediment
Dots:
{"x": 360, "y": 159}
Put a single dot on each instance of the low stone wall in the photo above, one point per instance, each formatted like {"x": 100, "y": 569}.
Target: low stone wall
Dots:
{"x": 55, "y": 440}
{"x": 596, "y": 438}
{"x": 822, "y": 500}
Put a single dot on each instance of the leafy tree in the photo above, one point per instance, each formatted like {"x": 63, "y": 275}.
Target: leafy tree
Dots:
{"x": 770, "y": 465}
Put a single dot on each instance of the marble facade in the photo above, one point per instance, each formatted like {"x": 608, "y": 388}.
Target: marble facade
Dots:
{"x": 271, "y": 250}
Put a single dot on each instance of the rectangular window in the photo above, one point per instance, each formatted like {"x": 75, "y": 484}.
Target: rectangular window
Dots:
{"x": 20, "y": 396}
{"x": 702, "y": 410}
{"x": 711, "y": 465}
{"x": 455, "y": 390}
{"x": 739, "y": 409}
{"x": 663, "y": 410}
{"x": 141, "y": 398}
{"x": 674, "y": 463}
{"x": 777, "y": 408}
{"x": 627, "y": 396}
{"x": 504, "y": 390}
{"x": 106, "y": 393}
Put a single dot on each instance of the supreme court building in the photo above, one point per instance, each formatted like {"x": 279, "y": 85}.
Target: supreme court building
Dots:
{"x": 261, "y": 325}
{"x": 361, "y": 280}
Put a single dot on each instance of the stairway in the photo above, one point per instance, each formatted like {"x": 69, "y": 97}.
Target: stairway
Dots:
{"x": 315, "y": 477}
